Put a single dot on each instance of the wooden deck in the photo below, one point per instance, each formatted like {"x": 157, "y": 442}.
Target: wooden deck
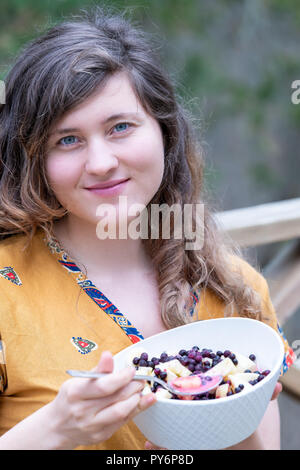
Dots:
{"x": 270, "y": 223}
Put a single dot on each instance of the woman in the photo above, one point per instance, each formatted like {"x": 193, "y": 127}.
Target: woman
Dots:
{"x": 91, "y": 116}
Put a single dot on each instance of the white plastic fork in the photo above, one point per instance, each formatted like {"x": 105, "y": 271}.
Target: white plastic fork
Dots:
{"x": 95, "y": 375}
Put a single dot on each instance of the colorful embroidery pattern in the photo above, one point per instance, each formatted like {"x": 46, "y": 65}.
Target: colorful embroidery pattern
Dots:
{"x": 104, "y": 303}
{"x": 98, "y": 297}
{"x": 95, "y": 294}
{"x": 289, "y": 357}
{"x": 10, "y": 274}
{"x": 84, "y": 346}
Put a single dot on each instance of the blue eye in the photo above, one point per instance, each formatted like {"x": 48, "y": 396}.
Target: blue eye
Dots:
{"x": 69, "y": 140}
{"x": 123, "y": 126}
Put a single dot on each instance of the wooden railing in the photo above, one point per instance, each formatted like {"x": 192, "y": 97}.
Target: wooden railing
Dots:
{"x": 269, "y": 223}
{"x": 263, "y": 224}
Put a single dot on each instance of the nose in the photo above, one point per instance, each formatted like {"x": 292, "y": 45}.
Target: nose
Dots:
{"x": 100, "y": 158}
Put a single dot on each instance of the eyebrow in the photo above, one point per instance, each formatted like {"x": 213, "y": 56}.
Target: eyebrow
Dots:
{"x": 114, "y": 117}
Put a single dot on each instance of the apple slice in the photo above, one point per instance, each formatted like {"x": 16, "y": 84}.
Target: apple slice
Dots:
{"x": 134, "y": 353}
{"x": 146, "y": 389}
{"x": 244, "y": 363}
{"x": 222, "y": 391}
{"x": 235, "y": 382}
{"x": 144, "y": 371}
{"x": 176, "y": 367}
{"x": 225, "y": 367}
{"x": 162, "y": 393}
{"x": 245, "y": 377}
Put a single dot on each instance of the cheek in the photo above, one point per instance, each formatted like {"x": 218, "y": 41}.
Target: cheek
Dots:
{"x": 60, "y": 173}
{"x": 147, "y": 157}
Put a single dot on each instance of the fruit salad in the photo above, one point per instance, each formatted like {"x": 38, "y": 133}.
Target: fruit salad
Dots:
{"x": 239, "y": 372}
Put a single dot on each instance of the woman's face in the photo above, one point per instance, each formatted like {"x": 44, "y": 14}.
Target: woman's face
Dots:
{"x": 108, "y": 137}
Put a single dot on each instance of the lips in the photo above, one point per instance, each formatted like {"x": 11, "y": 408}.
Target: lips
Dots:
{"x": 107, "y": 184}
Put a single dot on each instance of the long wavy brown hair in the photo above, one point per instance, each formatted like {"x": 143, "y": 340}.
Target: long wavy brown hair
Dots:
{"x": 58, "y": 71}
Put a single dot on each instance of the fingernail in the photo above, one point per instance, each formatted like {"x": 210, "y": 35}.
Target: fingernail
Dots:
{"x": 150, "y": 398}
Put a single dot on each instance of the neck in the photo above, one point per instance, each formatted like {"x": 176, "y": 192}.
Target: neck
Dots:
{"x": 82, "y": 244}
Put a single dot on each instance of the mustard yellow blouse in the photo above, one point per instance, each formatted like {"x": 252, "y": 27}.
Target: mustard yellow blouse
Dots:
{"x": 52, "y": 318}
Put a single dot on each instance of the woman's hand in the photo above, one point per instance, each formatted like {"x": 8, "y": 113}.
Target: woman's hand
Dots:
{"x": 277, "y": 390}
{"x": 89, "y": 411}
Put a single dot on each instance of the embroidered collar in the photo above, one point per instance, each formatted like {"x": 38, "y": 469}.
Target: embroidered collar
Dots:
{"x": 96, "y": 295}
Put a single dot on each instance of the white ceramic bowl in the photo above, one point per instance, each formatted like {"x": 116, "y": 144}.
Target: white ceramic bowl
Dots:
{"x": 219, "y": 423}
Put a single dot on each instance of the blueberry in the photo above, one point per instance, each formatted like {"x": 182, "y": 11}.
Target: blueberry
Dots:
{"x": 191, "y": 367}
{"x": 266, "y": 372}
{"x": 157, "y": 372}
{"x": 237, "y": 390}
{"x": 219, "y": 353}
{"x": 241, "y": 386}
{"x": 155, "y": 360}
{"x": 192, "y": 354}
{"x": 184, "y": 361}
{"x": 260, "y": 377}
{"x": 192, "y": 361}
{"x": 226, "y": 353}
{"x": 247, "y": 371}
{"x": 232, "y": 356}
{"x": 252, "y": 357}
{"x": 135, "y": 361}
{"x": 151, "y": 364}
{"x": 198, "y": 357}
{"x": 195, "y": 348}
{"x": 235, "y": 362}
{"x": 182, "y": 352}
{"x": 144, "y": 356}
{"x": 143, "y": 363}
{"x": 163, "y": 375}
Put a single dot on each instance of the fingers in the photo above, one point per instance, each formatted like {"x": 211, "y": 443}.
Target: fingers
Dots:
{"x": 126, "y": 409}
{"x": 145, "y": 402}
{"x": 86, "y": 389}
{"x": 277, "y": 391}
{"x": 118, "y": 412}
{"x": 106, "y": 363}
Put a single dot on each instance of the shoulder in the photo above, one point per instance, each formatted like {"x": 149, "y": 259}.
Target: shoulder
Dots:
{"x": 251, "y": 275}
{"x": 15, "y": 251}
{"x": 212, "y": 305}
{"x": 17, "y": 254}
{"x": 12, "y": 246}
